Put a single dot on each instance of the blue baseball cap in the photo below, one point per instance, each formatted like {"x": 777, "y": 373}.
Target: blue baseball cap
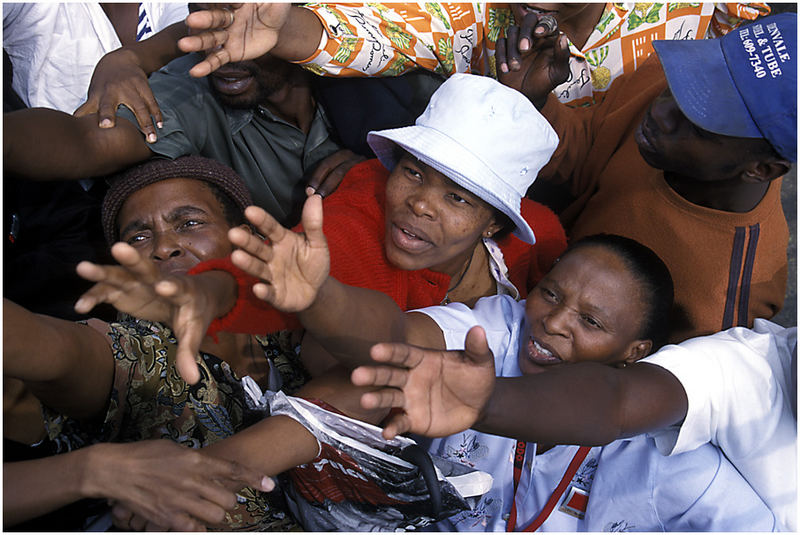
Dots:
{"x": 743, "y": 84}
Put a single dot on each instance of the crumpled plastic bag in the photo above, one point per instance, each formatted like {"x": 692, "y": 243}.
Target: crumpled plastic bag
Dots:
{"x": 363, "y": 482}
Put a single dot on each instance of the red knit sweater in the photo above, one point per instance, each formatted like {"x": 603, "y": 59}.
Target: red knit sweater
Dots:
{"x": 354, "y": 227}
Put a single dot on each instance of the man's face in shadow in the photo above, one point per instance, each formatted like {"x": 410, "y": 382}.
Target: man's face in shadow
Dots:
{"x": 246, "y": 84}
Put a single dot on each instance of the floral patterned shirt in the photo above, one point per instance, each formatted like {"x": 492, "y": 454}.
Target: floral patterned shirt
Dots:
{"x": 149, "y": 400}
{"x": 374, "y": 39}
{"x": 623, "y": 39}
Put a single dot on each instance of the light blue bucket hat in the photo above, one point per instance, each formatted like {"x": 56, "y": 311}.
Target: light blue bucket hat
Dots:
{"x": 484, "y": 136}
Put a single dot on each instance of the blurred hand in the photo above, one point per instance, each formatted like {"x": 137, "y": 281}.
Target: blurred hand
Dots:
{"x": 162, "y": 485}
{"x": 233, "y": 32}
{"x": 186, "y": 303}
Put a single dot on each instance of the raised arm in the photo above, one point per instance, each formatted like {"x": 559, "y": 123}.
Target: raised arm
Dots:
{"x": 187, "y": 304}
{"x": 586, "y": 403}
{"x": 249, "y": 31}
{"x": 45, "y": 144}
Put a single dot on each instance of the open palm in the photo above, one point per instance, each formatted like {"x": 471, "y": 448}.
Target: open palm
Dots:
{"x": 292, "y": 266}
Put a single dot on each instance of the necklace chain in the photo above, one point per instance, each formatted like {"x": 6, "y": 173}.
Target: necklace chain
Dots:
{"x": 446, "y": 299}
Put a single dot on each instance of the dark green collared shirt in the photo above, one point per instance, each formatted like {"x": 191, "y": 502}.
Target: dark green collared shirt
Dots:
{"x": 272, "y": 156}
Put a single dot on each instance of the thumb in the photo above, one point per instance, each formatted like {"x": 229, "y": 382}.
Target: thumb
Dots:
{"x": 88, "y": 107}
{"x": 476, "y": 348}
{"x": 312, "y": 221}
{"x": 561, "y": 57}
{"x": 186, "y": 363}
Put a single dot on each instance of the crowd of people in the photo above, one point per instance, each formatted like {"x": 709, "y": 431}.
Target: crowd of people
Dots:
{"x": 358, "y": 267}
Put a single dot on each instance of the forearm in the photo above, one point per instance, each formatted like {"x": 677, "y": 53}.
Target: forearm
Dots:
{"x": 220, "y": 289}
{"x": 574, "y": 130}
{"x": 279, "y": 443}
{"x": 586, "y": 404}
{"x": 68, "y": 366}
{"x": 235, "y": 308}
{"x": 45, "y": 144}
{"x": 299, "y": 37}
{"x": 347, "y": 321}
{"x": 155, "y": 52}
{"x": 42, "y": 348}
{"x": 269, "y": 447}
{"x": 33, "y": 488}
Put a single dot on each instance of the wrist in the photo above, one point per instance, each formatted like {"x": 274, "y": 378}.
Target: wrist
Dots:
{"x": 220, "y": 289}
{"x": 88, "y": 465}
{"x": 326, "y": 298}
{"x": 300, "y": 35}
{"x": 491, "y": 410}
{"x": 127, "y": 55}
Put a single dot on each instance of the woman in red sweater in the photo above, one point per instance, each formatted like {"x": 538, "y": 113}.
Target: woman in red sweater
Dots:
{"x": 449, "y": 223}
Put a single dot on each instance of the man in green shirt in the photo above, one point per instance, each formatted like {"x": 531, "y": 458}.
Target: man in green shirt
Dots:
{"x": 258, "y": 117}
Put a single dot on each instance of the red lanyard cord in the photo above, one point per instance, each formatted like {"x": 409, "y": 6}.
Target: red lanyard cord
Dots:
{"x": 519, "y": 457}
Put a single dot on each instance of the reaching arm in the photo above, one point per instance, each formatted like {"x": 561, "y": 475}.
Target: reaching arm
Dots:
{"x": 171, "y": 486}
{"x": 346, "y": 320}
{"x": 187, "y": 304}
{"x": 68, "y": 366}
{"x": 444, "y": 392}
{"x": 45, "y": 144}
{"x": 290, "y": 443}
{"x": 587, "y": 404}
{"x": 249, "y": 31}
{"x": 120, "y": 77}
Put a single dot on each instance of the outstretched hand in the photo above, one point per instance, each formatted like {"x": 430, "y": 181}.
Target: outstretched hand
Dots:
{"x": 233, "y": 32}
{"x": 439, "y": 392}
{"x": 136, "y": 287}
{"x": 292, "y": 266}
{"x": 533, "y": 58}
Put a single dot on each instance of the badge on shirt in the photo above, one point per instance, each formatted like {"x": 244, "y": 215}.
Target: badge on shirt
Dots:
{"x": 575, "y": 503}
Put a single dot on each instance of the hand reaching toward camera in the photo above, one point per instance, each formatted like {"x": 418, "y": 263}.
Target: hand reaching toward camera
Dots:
{"x": 233, "y": 32}
{"x": 187, "y": 304}
{"x": 440, "y": 392}
{"x": 292, "y": 266}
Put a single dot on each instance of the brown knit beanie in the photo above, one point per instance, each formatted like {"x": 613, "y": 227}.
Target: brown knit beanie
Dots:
{"x": 157, "y": 169}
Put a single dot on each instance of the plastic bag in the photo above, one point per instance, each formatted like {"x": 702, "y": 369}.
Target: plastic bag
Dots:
{"x": 363, "y": 482}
